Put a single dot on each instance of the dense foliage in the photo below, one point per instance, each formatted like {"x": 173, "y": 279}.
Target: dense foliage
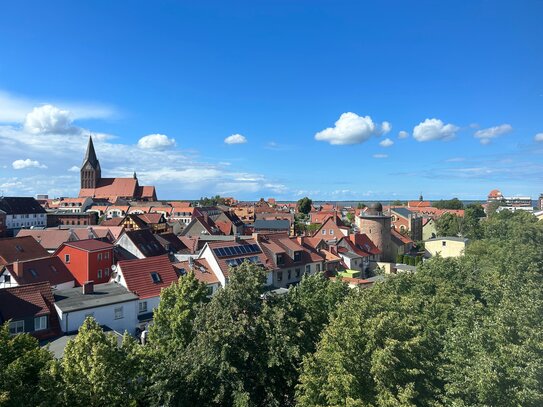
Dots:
{"x": 454, "y": 203}
{"x": 459, "y": 332}
{"x": 304, "y": 205}
{"x": 212, "y": 201}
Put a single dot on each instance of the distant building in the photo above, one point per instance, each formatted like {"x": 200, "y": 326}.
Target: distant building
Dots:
{"x": 451, "y": 246}
{"x": 376, "y": 225}
{"x": 406, "y": 221}
{"x": 20, "y": 213}
{"x": 94, "y": 186}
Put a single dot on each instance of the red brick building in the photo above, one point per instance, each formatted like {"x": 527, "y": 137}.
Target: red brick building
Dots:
{"x": 87, "y": 260}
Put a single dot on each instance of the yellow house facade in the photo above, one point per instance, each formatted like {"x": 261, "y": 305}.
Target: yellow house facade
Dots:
{"x": 446, "y": 246}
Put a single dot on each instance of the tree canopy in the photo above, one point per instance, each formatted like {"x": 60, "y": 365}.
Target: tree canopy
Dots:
{"x": 304, "y": 205}
{"x": 454, "y": 203}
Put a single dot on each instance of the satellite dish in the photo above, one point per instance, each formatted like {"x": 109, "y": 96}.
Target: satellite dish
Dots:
{"x": 113, "y": 267}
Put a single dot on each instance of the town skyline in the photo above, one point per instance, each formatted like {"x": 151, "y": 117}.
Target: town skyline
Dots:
{"x": 305, "y": 106}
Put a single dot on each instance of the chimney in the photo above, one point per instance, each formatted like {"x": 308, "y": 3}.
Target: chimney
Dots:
{"x": 191, "y": 263}
{"x": 90, "y": 232}
{"x": 257, "y": 236}
{"x": 18, "y": 268}
{"x": 88, "y": 287}
{"x": 206, "y": 217}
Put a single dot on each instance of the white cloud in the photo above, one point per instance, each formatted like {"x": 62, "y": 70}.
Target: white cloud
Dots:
{"x": 434, "y": 129}
{"x": 403, "y": 134}
{"x": 235, "y": 139}
{"x": 74, "y": 168}
{"x": 386, "y": 143}
{"x": 48, "y": 119}
{"x": 538, "y": 137}
{"x": 156, "y": 142}
{"x": 386, "y": 128}
{"x": 351, "y": 129}
{"x": 380, "y": 156}
{"x": 485, "y": 135}
{"x": 13, "y": 109}
{"x": 28, "y": 163}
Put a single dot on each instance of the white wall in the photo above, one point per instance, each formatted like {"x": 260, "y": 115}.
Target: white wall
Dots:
{"x": 26, "y": 220}
{"x": 208, "y": 255}
{"x": 128, "y": 245}
{"x": 105, "y": 315}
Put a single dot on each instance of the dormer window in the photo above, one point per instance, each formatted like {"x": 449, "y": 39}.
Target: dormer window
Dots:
{"x": 297, "y": 256}
{"x": 156, "y": 278}
{"x": 280, "y": 258}
{"x": 33, "y": 273}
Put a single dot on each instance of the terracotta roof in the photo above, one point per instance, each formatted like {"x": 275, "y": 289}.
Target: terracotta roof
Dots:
{"x": 171, "y": 242}
{"x": 20, "y": 248}
{"x": 114, "y": 230}
{"x": 190, "y": 242}
{"x": 224, "y": 226}
{"x": 223, "y": 261}
{"x": 201, "y": 269}
{"x": 116, "y": 221}
{"x": 276, "y": 243}
{"x": 157, "y": 209}
{"x": 146, "y": 191}
{"x": 151, "y": 218}
{"x": 138, "y": 275}
{"x": 419, "y": 204}
{"x": 144, "y": 209}
{"x": 30, "y": 300}
{"x": 403, "y": 239}
{"x": 363, "y": 243}
{"x": 90, "y": 245}
{"x": 108, "y": 187}
{"x": 48, "y": 269}
{"x": 329, "y": 256}
{"x": 73, "y": 200}
{"x": 49, "y": 239}
{"x": 177, "y": 204}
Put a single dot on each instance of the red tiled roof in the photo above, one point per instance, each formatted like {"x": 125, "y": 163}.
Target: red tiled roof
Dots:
{"x": 419, "y": 204}
{"x": 151, "y": 218}
{"x": 49, "y": 269}
{"x": 146, "y": 191}
{"x": 109, "y": 187}
{"x": 190, "y": 242}
{"x": 23, "y": 301}
{"x": 201, "y": 269}
{"x": 179, "y": 204}
{"x": 224, "y": 226}
{"x": 223, "y": 260}
{"x": 364, "y": 243}
{"x": 137, "y": 274}
{"x": 49, "y": 239}
{"x": 90, "y": 245}
{"x": 116, "y": 221}
{"x": 20, "y": 248}
{"x": 399, "y": 236}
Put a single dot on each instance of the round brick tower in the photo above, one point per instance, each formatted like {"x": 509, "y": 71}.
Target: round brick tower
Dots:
{"x": 377, "y": 226}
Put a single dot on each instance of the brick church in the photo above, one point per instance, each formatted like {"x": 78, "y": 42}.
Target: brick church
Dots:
{"x": 94, "y": 186}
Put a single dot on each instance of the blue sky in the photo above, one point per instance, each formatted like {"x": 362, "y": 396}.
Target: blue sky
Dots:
{"x": 163, "y": 84}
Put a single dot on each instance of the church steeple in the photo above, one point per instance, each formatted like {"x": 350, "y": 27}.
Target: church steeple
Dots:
{"x": 90, "y": 169}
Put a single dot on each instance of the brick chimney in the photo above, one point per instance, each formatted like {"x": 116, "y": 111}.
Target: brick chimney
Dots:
{"x": 18, "y": 268}
{"x": 88, "y": 287}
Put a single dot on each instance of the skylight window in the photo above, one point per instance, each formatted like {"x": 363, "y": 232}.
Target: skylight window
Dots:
{"x": 33, "y": 272}
{"x": 156, "y": 278}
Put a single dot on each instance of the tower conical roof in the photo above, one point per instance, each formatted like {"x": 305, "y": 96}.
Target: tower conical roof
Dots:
{"x": 90, "y": 155}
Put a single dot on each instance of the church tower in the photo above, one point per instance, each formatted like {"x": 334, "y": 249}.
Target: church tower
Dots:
{"x": 90, "y": 169}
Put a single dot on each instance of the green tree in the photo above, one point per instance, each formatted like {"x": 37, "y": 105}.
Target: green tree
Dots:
{"x": 96, "y": 371}
{"x": 25, "y": 371}
{"x": 397, "y": 203}
{"x": 304, "y": 205}
{"x": 471, "y": 223}
{"x": 360, "y": 205}
{"x": 173, "y": 319}
{"x": 454, "y": 203}
{"x": 350, "y": 217}
{"x": 448, "y": 225}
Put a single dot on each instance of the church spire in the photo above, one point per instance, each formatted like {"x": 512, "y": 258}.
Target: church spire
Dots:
{"x": 90, "y": 155}
{"x": 135, "y": 176}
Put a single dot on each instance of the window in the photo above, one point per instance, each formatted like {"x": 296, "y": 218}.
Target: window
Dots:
{"x": 106, "y": 270}
{"x": 297, "y": 256}
{"x": 331, "y": 231}
{"x": 298, "y": 273}
{"x": 280, "y": 258}
{"x": 279, "y": 276}
{"x": 155, "y": 277}
{"x": 40, "y": 323}
{"x": 444, "y": 243}
{"x": 16, "y": 327}
{"x": 119, "y": 313}
{"x": 106, "y": 255}
{"x": 7, "y": 278}
{"x": 66, "y": 258}
{"x": 99, "y": 256}
{"x": 307, "y": 269}
{"x": 324, "y": 231}
{"x": 143, "y": 307}
{"x": 99, "y": 273}
{"x": 318, "y": 267}
{"x": 33, "y": 273}
{"x": 289, "y": 275}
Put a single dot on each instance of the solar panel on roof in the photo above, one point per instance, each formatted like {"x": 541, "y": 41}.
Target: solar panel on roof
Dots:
{"x": 242, "y": 249}
{"x": 255, "y": 248}
{"x": 228, "y": 251}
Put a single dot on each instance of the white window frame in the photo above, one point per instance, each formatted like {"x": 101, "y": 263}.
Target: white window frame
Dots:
{"x": 142, "y": 307}
{"x": 16, "y": 327}
{"x": 99, "y": 273}
{"x": 67, "y": 258}
{"x": 40, "y": 323}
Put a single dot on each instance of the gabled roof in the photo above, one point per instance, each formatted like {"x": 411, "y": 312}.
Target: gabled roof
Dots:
{"x": 50, "y": 239}
{"x": 146, "y": 242}
{"x": 201, "y": 269}
{"x": 402, "y": 211}
{"x": 152, "y": 218}
{"x": 20, "y": 205}
{"x": 20, "y": 248}
{"x": 171, "y": 242}
{"x": 147, "y": 277}
{"x": 116, "y": 221}
{"x": 48, "y": 269}
{"x": 399, "y": 237}
{"x": 279, "y": 243}
{"x": 27, "y": 301}
{"x": 223, "y": 261}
